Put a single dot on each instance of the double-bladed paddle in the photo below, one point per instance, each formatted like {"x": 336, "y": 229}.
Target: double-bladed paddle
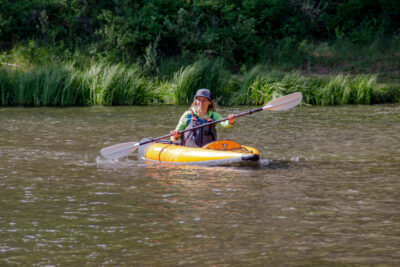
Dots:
{"x": 124, "y": 149}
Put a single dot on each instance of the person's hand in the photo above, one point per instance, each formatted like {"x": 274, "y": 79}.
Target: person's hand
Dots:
{"x": 175, "y": 134}
{"x": 231, "y": 118}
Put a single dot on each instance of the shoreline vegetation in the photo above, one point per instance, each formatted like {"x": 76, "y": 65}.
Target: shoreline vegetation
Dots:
{"x": 73, "y": 83}
{"x": 155, "y": 52}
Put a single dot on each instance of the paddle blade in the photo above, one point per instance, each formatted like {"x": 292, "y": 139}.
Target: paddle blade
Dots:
{"x": 285, "y": 102}
{"x": 119, "y": 151}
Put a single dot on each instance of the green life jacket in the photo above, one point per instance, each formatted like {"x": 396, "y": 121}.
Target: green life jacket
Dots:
{"x": 201, "y": 136}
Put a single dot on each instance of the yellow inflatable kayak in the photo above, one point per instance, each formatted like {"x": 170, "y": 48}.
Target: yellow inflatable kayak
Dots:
{"x": 223, "y": 152}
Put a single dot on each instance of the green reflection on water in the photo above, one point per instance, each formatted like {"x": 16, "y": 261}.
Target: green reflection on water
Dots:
{"x": 331, "y": 196}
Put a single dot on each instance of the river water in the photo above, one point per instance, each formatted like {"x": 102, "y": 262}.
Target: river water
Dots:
{"x": 329, "y": 196}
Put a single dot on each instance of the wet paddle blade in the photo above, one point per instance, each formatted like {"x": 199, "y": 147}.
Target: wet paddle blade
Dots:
{"x": 119, "y": 151}
{"x": 284, "y": 102}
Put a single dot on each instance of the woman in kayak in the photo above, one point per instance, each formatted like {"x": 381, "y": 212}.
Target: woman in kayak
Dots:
{"x": 202, "y": 110}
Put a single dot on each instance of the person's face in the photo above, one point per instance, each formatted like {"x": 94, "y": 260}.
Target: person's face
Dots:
{"x": 202, "y": 103}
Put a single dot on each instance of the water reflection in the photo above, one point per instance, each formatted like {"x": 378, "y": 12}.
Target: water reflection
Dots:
{"x": 330, "y": 194}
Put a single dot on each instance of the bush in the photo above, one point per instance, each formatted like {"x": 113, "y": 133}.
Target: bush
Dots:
{"x": 239, "y": 32}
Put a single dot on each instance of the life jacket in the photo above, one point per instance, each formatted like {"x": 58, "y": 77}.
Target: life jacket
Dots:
{"x": 201, "y": 136}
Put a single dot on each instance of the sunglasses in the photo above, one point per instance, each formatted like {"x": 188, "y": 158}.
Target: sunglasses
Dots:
{"x": 202, "y": 100}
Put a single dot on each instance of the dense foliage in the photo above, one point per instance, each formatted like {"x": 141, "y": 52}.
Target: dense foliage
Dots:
{"x": 239, "y": 31}
{"x": 124, "y": 52}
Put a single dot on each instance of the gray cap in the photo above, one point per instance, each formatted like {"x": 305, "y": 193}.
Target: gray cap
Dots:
{"x": 204, "y": 93}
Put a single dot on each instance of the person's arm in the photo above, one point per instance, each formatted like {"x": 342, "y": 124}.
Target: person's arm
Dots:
{"x": 226, "y": 124}
{"x": 182, "y": 124}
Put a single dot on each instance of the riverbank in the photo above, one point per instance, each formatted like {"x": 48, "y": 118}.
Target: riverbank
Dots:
{"x": 63, "y": 53}
{"x": 326, "y": 75}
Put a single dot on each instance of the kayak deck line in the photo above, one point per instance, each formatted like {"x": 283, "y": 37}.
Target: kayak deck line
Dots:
{"x": 161, "y": 151}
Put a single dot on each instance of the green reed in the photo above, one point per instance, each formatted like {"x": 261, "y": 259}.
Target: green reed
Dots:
{"x": 202, "y": 74}
{"x": 260, "y": 86}
{"x": 65, "y": 85}
{"x": 102, "y": 83}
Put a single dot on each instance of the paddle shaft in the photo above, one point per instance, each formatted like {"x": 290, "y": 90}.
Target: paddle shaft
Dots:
{"x": 203, "y": 125}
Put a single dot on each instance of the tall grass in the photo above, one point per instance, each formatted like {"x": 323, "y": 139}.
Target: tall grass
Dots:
{"x": 65, "y": 85}
{"x": 204, "y": 73}
{"x": 260, "y": 86}
{"x": 102, "y": 83}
